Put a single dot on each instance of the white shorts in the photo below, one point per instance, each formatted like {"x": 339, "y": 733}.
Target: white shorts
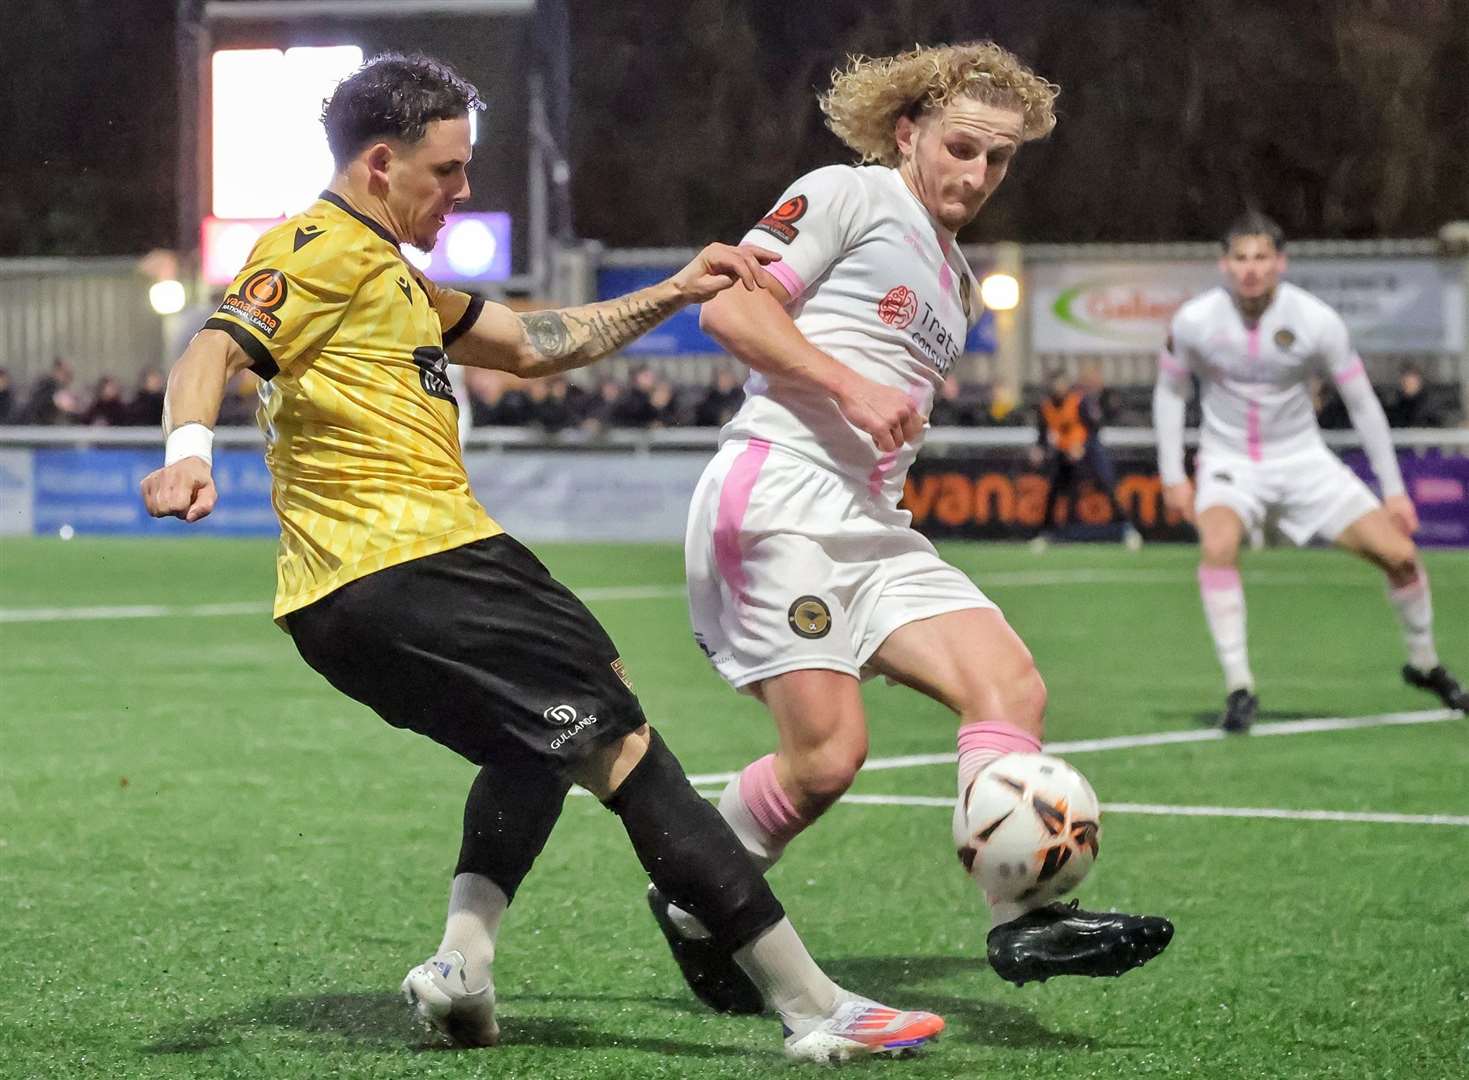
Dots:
{"x": 792, "y": 567}
{"x": 1306, "y": 494}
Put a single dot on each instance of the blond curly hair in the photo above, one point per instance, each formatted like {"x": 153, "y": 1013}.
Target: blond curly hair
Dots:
{"x": 871, "y": 93}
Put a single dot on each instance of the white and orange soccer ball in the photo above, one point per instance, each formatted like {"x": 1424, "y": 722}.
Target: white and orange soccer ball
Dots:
{"x": 1028, "y": 829}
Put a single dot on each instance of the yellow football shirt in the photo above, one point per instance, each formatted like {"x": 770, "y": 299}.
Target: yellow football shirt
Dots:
{"x": 360, "y": 422}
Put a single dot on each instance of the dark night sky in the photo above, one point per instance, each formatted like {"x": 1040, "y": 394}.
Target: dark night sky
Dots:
{"x": 1342, "y": 117}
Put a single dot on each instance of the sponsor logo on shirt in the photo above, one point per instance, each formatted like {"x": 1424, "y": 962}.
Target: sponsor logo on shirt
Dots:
{"x": 936, "y": 341}
{"x": 433, "y": 373}
{"x": 781, "y": 222}
{"x": 898, "y": 307}
{"x": 261, "y": 293}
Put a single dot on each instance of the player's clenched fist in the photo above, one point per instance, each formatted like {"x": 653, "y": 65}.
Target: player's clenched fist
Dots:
{"x": 889, "y": 415}
{"x": 184, "y": 489}
{"x": 719, "y": 266}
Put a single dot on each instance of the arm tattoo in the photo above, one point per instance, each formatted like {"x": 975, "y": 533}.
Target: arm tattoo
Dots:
{"x": 577, "y": 336}
{"x": 547, "y": 333}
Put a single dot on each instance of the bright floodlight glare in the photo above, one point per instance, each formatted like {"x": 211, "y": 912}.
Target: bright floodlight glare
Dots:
{"x": 283, "y": 92}
{"x": 167, "y": 297}
{"x": 470, "y": 247}
{"x": 302, "y": 154}
{"x": 420, "y": 259}
{"x": 1000, "y": 292}
{"x": 245, "y": 91}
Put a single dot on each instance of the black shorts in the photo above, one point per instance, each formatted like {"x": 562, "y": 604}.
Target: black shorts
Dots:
{"x": 480, "y": 649}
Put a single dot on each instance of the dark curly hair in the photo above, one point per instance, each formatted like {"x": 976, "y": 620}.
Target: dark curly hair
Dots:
{"x": 395, "y": 96}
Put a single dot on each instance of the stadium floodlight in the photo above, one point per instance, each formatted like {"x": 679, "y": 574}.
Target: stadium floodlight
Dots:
{"x": 284, "y": 88}
{"x": 167, "y": 297}
{"x": 1000, "y": 292}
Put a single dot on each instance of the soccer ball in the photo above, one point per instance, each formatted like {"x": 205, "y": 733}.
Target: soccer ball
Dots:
{"x": 1028, "y": 829}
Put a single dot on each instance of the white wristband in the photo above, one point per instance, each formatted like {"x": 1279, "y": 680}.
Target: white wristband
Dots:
{"x": 189, "y": 440}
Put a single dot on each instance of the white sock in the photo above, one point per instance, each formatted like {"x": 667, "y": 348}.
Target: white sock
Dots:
{"x": 1414, "y": 605}
{"x": 476, "y": 905}
{"x": 763, "y": 848}
{"x": 757, "y": 841}
{"x": 1224, "y": 608}
{"x": 788, "y": 979}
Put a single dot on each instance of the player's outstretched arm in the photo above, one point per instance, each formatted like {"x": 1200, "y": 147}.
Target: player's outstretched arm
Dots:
{"x": 1170, "y": 397}
{"x": 1350, "y": 375}
{"x": 537, "y": 343}
{"x": 184, "y": 487}
{"x": 1372, "y": 428}
{"x": 756, "y": 328}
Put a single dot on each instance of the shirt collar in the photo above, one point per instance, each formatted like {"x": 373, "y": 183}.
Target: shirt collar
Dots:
{"x": 347, "y": 208}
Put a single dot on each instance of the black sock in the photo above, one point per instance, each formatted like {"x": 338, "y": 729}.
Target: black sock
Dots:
{"x": 690, "y": 852}
{"x": 512, "y": 807}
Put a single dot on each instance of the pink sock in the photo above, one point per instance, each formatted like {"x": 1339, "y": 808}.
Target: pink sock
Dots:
{"x": 760, "y": 812}
{"x": 768, "y": 803}
{"x": 982, "y": 743}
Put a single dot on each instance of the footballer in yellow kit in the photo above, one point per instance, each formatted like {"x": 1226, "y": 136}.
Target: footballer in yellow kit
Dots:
{"x": 360, "y": 421}
{"x": 398, "y": 588}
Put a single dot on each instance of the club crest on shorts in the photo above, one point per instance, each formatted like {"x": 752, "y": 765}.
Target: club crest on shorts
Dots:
{"x": 809, "y": 617}
{"x": 620, "y": 670}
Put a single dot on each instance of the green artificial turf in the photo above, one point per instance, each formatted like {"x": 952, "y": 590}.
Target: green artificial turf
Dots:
{"x": 213, "y": 865}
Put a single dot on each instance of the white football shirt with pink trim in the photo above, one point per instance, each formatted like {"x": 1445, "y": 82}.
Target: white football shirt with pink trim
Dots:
{"x": 1256, "y": 397}
{"x": 878, "y": 284}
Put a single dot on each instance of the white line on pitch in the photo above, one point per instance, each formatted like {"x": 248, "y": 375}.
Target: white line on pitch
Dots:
{"x": 130, "y": 611}
{"x": 1364, "y": 816}
{"x": 1163, "y": 738}
{"x": 1014, "y": 579}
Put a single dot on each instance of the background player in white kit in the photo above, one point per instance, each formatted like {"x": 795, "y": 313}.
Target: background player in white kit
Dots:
{"x": 803, "y": 574}
{"x": 1253, "y": 345}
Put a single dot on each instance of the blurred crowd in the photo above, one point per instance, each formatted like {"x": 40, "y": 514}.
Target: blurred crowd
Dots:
{"x": 648, "y": 399}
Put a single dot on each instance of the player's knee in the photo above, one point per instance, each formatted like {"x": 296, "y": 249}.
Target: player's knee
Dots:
{"x": 1400, "y": 562}
{"x": 1029, "y": 701}
{"x": 822, "y": 775}
{"x": 1018, "y": 697}
{"x": 1219, "y": 550}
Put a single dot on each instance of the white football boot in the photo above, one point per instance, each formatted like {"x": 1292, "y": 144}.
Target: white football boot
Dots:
{"x": 438, "y": 992}
{"x": 860, "y": 1028}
